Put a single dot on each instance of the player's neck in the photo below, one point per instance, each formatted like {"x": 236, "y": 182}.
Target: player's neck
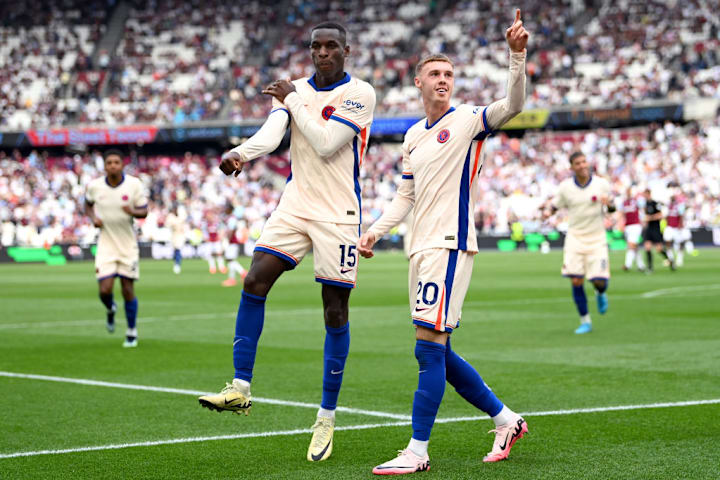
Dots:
{"x": 582, "y": 181}
{"x": 322, "y": 81}
{"x": 435, "y": 110}
{"x": 114, "y": 180}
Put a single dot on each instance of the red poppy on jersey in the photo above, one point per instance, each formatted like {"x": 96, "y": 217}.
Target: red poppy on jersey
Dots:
{"x": 594, "y": 198}
{"x": 125, "y": 198}
{"x": 443, "y": 135}
{"x": 327, "y": 111}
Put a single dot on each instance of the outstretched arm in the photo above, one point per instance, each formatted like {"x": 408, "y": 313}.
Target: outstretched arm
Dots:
{"x": 498, "y": 113}
{"x": 265, "y": 141}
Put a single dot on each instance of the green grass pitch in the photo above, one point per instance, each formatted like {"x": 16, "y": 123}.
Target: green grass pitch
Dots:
{"x": 658, "y": 344}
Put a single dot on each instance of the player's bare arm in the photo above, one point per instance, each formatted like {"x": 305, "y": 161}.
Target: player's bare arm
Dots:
{"x": 135, "y": 212}
{"x": 90, "y": 212}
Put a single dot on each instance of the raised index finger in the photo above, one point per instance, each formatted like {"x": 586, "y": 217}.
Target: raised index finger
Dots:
{"x": 517, "y": 14}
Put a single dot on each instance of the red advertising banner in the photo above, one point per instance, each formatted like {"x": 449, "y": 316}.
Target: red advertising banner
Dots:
{"x": 91, "y": 136}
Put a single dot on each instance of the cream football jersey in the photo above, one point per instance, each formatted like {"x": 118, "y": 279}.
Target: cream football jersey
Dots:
{"x": 327, "y": 188}
{"x": 586, "y": 225}
{"x": 117, "y": 235}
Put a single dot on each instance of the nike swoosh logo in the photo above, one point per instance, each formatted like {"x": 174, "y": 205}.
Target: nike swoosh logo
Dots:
{"x": 413, "y": 149}
{"x": 421, "y": 309}
{"x": 333, "y": 372}
{"x": 237, "y": 405}
{"x": 422, "y": 371}
{"x": 236, "y": 341}
{"x": 344, "y": 270}
{"x": 320, "y": 455}
{"x": 502, "y": 447}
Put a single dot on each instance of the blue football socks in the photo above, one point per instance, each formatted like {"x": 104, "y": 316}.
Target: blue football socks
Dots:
{"x": 580, "y": 299}
{"x": 337, "y": 345}
{"x": 131, "y": 309}
{"x": 469, "y": 384}
{"x": 431, "y": 387}
{"x": 248, "y": 327}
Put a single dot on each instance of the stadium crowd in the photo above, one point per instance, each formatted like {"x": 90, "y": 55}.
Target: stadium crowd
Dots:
{"x": 41, "y": 197}
{"x": 208, "y": 60}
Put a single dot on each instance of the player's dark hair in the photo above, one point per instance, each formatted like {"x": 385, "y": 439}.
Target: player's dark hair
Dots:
{"x": 333, "y": 26}
{"x": 112, "y": 151}
{"x": 575, "y": 155}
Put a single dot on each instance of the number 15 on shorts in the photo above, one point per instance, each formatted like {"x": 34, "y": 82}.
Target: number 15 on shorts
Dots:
{"x": 348, "y": 256}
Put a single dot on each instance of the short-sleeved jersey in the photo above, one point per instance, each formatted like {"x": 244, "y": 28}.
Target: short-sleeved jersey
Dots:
{"x": 674, "y": 214}
{"x": 443, "y": 161}
{"x": 176, "y": 224}
{"x": 631, "y": 211}
{"x": 585, "y": 211}
{"x": 328, "y": 189}
{"x": 652, "y": 208}
{"x": 117, "y": 235}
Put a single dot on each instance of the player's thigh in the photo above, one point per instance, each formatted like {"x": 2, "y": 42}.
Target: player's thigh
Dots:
{"x": 440, "y": 278}
{"x": 106, "y": 265}
{"x": 598, "y": 264}
{"x": 574, "y": 263}
{"x": 286, "y": 237}
{"x": 335, "y": 253}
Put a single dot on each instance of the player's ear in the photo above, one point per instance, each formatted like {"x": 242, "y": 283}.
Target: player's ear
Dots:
{"x": 418, "y": 83}
{"x": 346, "y": 51}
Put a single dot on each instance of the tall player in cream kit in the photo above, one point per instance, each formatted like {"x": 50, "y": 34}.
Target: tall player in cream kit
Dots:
{"x": 329, "y": 115}
{"x": 112, "y": 202}
{"x": 441, "y": 162}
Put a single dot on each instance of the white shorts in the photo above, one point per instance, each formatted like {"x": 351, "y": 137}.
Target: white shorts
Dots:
{"x": 633, "y": 233}
{"x": 671, "y": 234}
{"x": 333, "y": 244}
{"x": 438, "y": 281}
{"x": 215, "y": 248}
{"x": 232, "y": 251}
{"x": 127, "y": 267}
{"x": 684, "y": 235}
{"x": 592, "y": 264}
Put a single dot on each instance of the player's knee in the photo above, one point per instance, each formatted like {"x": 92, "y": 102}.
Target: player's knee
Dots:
{"x": 335, "y": 315}
{"x": 255, "y": 284}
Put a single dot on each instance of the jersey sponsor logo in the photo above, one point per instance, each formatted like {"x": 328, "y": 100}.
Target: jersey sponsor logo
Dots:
{"x": 443, "y": 136}
{"x": 351, "y": 104}
{"x": 327, "y": 111}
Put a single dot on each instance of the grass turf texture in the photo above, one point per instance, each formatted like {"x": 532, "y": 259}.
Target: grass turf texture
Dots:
{"x": 517, "y": 328}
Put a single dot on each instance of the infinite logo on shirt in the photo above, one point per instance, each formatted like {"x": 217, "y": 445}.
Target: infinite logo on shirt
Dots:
{"x": 443, "y": 136}
{"x": 327, "y": 111}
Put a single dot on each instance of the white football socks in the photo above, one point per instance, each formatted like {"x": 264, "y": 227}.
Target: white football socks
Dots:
{"x": 418, "y": 447}
{"x": 324, "y": 412}
{"x": 504, "y": 416}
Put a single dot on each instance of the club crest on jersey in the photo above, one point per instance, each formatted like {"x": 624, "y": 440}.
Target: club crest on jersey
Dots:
{"x": 125, "y": 198}
{"x": 443, "y": 136}
{"x": 327, "y": 111}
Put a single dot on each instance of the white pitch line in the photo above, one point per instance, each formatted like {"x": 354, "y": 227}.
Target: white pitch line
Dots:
{"x": 676, "y": 290}
{"x": 195, "y": 393}
{"x": 173, "y": 441}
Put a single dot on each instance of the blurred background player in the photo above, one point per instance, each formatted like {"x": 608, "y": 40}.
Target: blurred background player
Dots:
{"x": 677, "y": 237}
{"x": 215, "y": 248}
{"x": 632, "y": 229}
{"x": 440, "y": 165}
{"x": 585, "y": 251}
{"x": 329, "y": 115}
{"x": 112, "y": 202}
{"x": 176, "y": 223}
{"x": 652, "y": 233}
{"x": 232, "y": 249}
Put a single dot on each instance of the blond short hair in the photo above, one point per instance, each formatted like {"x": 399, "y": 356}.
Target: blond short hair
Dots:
{"x": 438, "y": 57}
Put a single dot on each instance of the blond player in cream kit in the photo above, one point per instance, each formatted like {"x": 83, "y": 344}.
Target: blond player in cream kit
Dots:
{"x": 329, "y": 115}
{"x": 441, "y": 162}
{"x": 585, "y": 251}
{"x": 112, "y": 202}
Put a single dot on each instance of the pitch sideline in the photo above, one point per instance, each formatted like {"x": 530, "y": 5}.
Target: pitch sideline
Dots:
{"x": 174, "y": 441}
